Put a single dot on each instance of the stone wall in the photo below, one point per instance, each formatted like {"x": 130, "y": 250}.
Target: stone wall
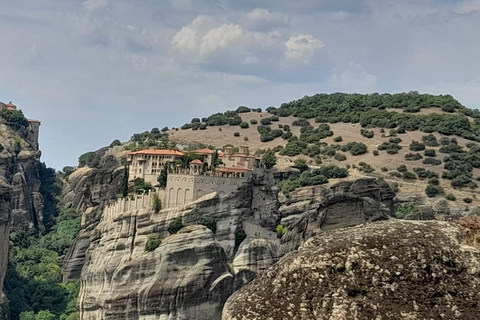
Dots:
{"x": 184, "y": 188}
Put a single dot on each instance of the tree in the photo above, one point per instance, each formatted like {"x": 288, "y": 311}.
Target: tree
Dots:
{"x": 269, "y": 159}
{"x": 116, "y": 143}
{"x": 162, "y": 178}
{"x": 156, "y": 203}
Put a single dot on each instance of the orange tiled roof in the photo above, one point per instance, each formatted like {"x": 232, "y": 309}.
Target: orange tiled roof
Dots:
{"x": 204, "y": 151}
{"x": 159, "y": 152}
{"x": 196, "y": 161}
{"x": 33, "y": 120}
{"x": 11, "y": 105}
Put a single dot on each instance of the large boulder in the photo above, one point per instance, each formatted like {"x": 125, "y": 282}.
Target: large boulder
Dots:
{"x": 386, "y": 270}
{"x": 186, "y": 277}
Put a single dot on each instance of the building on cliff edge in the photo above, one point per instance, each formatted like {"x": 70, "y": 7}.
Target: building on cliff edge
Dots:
{"x": 201, "y": 177}
{"x": 34, "y": 125}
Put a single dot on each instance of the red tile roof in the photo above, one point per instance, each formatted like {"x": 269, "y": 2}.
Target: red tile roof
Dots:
{"x": 196, "y": 161}
{"x": 159, "y": 152}
{"x": 33, "y": 120}
{"x": 204, "y": 151}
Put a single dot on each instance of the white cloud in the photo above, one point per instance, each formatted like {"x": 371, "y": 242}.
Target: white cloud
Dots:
{"x": 302, "y": 47}
{"x": 94, "y": 5}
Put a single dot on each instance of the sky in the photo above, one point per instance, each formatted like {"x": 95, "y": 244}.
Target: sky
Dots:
{"x": 98, "y": 70}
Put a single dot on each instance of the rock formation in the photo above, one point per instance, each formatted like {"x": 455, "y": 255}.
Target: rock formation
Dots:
{"x": 346, "y": 204}
{"x": 386, "y": 270}
{"x": 5, "y": 215}
{"x": 186, "y": 277}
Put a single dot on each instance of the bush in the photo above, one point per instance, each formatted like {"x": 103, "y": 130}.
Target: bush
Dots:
{"x": 367, "y": 133}
{"x": 156, "y": 203}
{"x": 239, "y": 237}
{"x": 244, "y": 125}
{"x": 432, "y": 161}
{"x": 90, "y": 159}
{"x": 376, "y": 153}
{"x": 153, "y": 242}
{"x": 402, "y": 168}
{"x": 340, "y": 157}
{"x": 416, "y": 146}
{"x": 175, "y": 226}
{"x": 409, "y": 175}
{"x": 384, "y": 169}
{"x": 467, "y": 200}
{"x": 300, "y": 164}
{"x": 394, "y": 140}
{"x": 281, "y": 230}
{"x": 242, "y": 109}
{"x": 209, "y": 223}
{"x": 430, "y": 153}
{"x": 434, "y": 181}
{"x": 203, "y": 126}
{"x": 356, "y": 148}
{"x": 266, "y": 121}
{"x": 236, "y": 134}
{"x": 253, "y": 121}
{"x": 365, "y": 167}
{"x": 430, "y": 140}
{"x": 413, "y": 156}
{"x": 450, "y": 197}
{"x": 432, "y": 191}
{"x": 338, "y": 139}
{"x": 405, "y": 209}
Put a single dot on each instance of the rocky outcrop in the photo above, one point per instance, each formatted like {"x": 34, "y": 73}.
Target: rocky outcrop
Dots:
{"x": 386, "y": 270}
{"x": 89, "y": 190}
{"x": 345, "y": 205}
{"x": 186, "y": 277}
{"x": 253, "y": 257}
{"x": 5, "y": 215}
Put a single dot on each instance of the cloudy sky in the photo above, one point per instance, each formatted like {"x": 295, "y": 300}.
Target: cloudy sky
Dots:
{"x": 98, "y": 70}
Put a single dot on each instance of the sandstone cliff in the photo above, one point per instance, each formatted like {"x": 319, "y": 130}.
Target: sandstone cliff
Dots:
{"x": 21, "y": 204}
{"x": 89, "y": 190}
{"x": 387, "y": 270}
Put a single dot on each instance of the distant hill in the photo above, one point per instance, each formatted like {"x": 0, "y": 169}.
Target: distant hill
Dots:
{"x": 428, "y": 143}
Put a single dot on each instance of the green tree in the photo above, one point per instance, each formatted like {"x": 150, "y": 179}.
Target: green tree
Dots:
{"x": 175, "y": 226}
{"x": 156, "y": 203}
{"x": 163, "y": 177}
{"x": 45, "y": 315}
{"x": 115, "y": 143}
{"x": 269, "y": 159}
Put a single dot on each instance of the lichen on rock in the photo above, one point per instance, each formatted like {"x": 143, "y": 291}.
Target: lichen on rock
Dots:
{"x": 385, "y": 270}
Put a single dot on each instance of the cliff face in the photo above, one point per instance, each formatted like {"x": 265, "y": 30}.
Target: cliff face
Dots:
{"x": 5, "y": 215}
{"x": 21, "y": 204}
{"x": 89, "y": 190}
{"x": 120, "y": 279}
{"x": 386, "y": 270}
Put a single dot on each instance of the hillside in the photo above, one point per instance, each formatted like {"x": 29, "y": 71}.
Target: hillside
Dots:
{"x": 409, "y": 138}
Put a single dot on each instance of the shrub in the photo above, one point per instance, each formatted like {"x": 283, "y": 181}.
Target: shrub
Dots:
{"x": 239, "y": 237}
{"x": 156, "y": 203}
{"x": 430, "y": 153}
{"x": 405, "y": 209}
{"x": 302, "y": 122}
{"x": 153, "y": 242}
{"x": 253, "y": 121}
{"x": 338, "y": 139}
{"x": 365, "y": 167}
{"x": 432, "y": 161}
{"x": 384, "y": 169}
{"x": 376, "y": 153}
{"x": 394, "y": 140}
{"x": 242, "y": 109}
{"x": 281, "y": 230}
{"x": 450, "y": 197}
{"x": 413, "y": 156}
{"x": 430, "y": 140}
{"x": 236, "y": 134}
{"x": 416, "y": 146}
{"x": 432, "y": 191}
{"x": 340, "y": 157}
{"x": 244, "y": 125}
{"x": 266, "y": 121}
{"x": 203, "y": 126}
{"x": 175, "y": 226}
{"x": 209, "y": 223}
{"x": 356, "y": 148}
{"x": 300, "y": 164}
{"x": 409, "y": 175}
{"x": 367, "y": 133}
{"x": 14, "y": 118}
{"x": 402, "y": 168}
{"x": 467, "y": 200}
{"x": 434, "y": 181}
